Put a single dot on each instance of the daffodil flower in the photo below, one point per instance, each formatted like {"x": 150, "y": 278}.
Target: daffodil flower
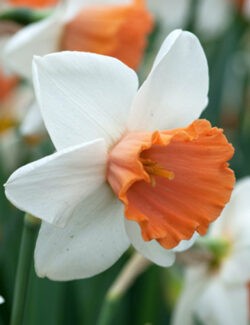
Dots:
{"x": 216, "y": 291}
{"x": 117, "y": 28}
{"x": 114, "y": 28}
{"x": 123, "y": 151}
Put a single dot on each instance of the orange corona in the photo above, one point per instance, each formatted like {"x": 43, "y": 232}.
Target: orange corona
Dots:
{"x": 174, "y": 182}
{"x": 33, "y": 3}
{"x": 120, "y": 31}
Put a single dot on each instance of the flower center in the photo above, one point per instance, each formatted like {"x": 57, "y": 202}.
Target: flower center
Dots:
{"x": 6, "y": 123}
{"x": 154, "y": 169}
{"x": 220, "y": 248}
{"x": 173, "y": 182}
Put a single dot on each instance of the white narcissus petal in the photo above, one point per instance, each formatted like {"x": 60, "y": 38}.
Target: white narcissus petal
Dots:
{"x": 246, "y": 9}
{"x": 52, "y": 187}
{"x": 186, "y": 244}
{"x": 10, "y": 150}
{"x": 83, "y": 96}
{"x": 93, "y": 240}
{"x": 220, "y": 304}
{"x": 36, "y": 39}
{"x": 175, "y": 92}
{"x": 3, "y": 41}
{"x": 20, "y": 101}
{"x": 196, "y": 279}
{"x": 33, "y": 123}
{"x": 236, "y": 268}
{"x": 239, "y": 208}
{"x": 234, "y": 221}
{"x": 151, "y": 250}
{"x": 73, "y": 6}
{"x": 166, "y": 46}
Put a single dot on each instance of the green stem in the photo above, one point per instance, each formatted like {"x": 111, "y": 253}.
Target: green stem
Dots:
{"x": 107, "y": 312}
{"x": 23, "y": 269}
{"x": 135, "y": 266}
{"x": 192, "y": 15}
{"x": 23, "y": 16}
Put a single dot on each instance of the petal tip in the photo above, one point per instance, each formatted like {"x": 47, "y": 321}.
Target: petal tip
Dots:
{"x": 37, "y": 60}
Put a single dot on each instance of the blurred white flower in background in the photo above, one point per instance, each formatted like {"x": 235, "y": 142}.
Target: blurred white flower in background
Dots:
{"x": 246, "y": 9}
{"x": 15, "y": 99}
{"x": 68, "y": 29}
{"x": 217, "y": 291}
{"x": 118, "y": 28}
{"x": 211, "y": 17}
{"x": 1, "y": 300}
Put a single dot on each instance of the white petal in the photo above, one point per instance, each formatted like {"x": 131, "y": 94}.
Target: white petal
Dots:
{"x": 166, "y": 46}
{"x": 246, "y": 9}
{"x": 236, "y": 268}
{"x": 33, "y": 123}
{"x": 92, "y": 241}
{"x": 52, "y": 187}
{"x": 1, "y": 300}
{"x": 10, "y": 150}
{"x": 220, "y": 304}
{"x": 83, "y": 96}
{"x": 151, "y": 250}
{"x": 175, "y": 92}
{"x": 3, "y": 41}
{"x": 196, "y": 280}
{"x": 234, "y": 224}
{"x": 234, "y": 220}
{"x": 186, "y": 244}
{"x": 73, "y": 6}
{"x": 36, "y": 39}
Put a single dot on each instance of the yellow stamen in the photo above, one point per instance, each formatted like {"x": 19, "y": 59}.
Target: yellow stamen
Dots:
{"x": 154, "y": 169}
{"x": 6, "y": 123}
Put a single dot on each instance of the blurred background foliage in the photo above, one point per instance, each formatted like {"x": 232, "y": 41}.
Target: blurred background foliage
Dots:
{"x": 152, "y": 297}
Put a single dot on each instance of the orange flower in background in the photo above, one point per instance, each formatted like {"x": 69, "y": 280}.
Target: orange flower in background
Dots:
{"x": 243, "y": 6}
{"x": 239, "y": 3}
{"x": 7, "y": 84}
{"x": 118, "y": 31}
{"x": 114, "y": 30}
{"x": 33, "y": 3}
